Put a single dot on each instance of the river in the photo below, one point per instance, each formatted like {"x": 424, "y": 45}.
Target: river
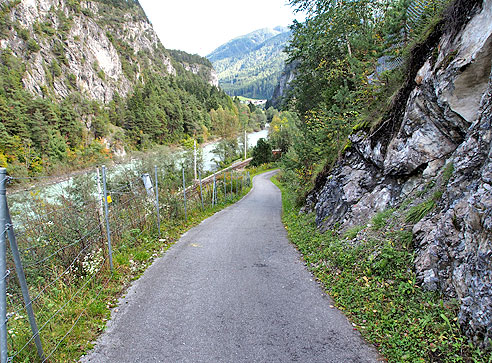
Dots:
{"x": 50, "y": 191}
{"x": 208, "y": 154}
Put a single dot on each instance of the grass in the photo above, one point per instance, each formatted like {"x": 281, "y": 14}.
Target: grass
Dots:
{"x": 263, "y": 168}
{"x": 373, "y": 283}
{"x": 246, "y": 99}
{"x": 380, "y": 219}
{"x": 416, "y": 213}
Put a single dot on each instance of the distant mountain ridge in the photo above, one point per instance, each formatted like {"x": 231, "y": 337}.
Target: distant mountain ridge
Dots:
{"x": 250, "y": 65}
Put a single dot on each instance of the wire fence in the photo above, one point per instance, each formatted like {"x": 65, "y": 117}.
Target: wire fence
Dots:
{"x": 419, "y": 14}
{"x": 68, "y": 243}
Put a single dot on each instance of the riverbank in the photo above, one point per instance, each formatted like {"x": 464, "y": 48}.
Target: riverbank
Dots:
{"x": 20, "y": 184}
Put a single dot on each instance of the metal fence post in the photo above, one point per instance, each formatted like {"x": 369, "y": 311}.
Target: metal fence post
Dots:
{"x": 232, "y": 186}
{"x": 3, "y": 266}
{"x": 23, "y": 284}
{"x": 157, "y": 203}
{"x": 225, "y": 185}
{"x": 213, "y": 193}
{"x": 194, "y": 159}
{"x": 201, "y": 191}
{"x": 216, "y": 191}
{"x": 184, "y": 194}
{"x": 106, "y": 213}
{"x": 100, "y": 196}
{"x": 245, "y": 145}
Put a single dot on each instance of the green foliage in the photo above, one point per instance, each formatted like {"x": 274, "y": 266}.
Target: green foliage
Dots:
{"x": 23, "y": 33}
{"x": 371, "y": 282}
{"x": 183, "y": 57}
{"x": 350, "y": 62}
{"x": 55, "y": 68}
{"x": 32, "y": 46}
{"x": 59, "y": 52}
{"x": 381, "y": 218}
{"x": 72, "y": 81}
{"x": 41, "y": 135}
{"x": 48, "y": 29}
{"x": 352, "y": 232}
{"x": 262, "y": 153}
{"x": 416, "y": 213}
{"x": 447, "y": 174}
{"x": 101, "y": 74}
{"x": 74, "y": 5}
{"x": 226, "y": 151}
{"x": 283, "y": 129}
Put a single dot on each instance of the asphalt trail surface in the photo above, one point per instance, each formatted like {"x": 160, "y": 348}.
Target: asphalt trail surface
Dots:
{"x": 233, "y": 289}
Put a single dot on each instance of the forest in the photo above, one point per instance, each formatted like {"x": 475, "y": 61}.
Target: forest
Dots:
{"x": 250, "y": 65}
{"x": 46, "y": 133}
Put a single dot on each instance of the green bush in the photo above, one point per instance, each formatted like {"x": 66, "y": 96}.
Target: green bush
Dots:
{"x": 416, "y": 213}
{"x": 262, "y": 153}
{"x": 32, "y": 46}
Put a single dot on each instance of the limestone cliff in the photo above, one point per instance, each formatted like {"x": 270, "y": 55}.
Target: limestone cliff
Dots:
{"x": 280, "y": 91}
{"x": 95, "y": 47}
{"x": 432, "y": 156}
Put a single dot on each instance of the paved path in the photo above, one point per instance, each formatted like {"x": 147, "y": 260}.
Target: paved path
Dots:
{"x": 232, "y": 289}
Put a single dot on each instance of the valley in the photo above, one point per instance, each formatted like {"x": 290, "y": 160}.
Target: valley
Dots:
{"x": 371, "y": 119}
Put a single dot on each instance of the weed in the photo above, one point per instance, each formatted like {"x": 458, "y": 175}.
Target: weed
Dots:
{"x": 352, "y": 232}
{"x": 447, "y": 174}
{"x": 437, "y": 195}
{"x": 380, "y": 219}
{"x": 416, "y": 213}
{"x": 405, "y": 238}
{"x": 361, "y": 126}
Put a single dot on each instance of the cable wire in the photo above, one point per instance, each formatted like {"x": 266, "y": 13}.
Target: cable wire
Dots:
{"x": 63, "y": 248}
{"x": 60, "y": 309}
{"x": 77, "y": 320}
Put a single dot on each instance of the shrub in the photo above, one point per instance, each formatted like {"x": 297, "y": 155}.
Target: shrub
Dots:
{"x": 262, "y": 153}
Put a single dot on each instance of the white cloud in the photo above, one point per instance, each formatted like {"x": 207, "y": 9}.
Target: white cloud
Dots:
{"x": 199, "y": 26}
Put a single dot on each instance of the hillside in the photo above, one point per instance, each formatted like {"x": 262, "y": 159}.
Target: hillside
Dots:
{"x": 250, "y": 65}
{"x": 390, "y": 163}
{"x": 84, "y": 80}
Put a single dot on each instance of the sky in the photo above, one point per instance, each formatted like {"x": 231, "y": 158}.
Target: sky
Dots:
{"x": 200, "y": 26}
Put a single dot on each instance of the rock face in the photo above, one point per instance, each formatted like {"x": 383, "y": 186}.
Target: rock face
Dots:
{"x": 287, "y": 76}
{"x": 210, "y": 73}
{"x": 445, "y": 137}
{"x": 90, "y": 46}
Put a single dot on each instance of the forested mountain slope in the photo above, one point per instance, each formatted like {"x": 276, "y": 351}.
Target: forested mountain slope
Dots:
{"x": 83, "y": 80}
{"x": 250, "y": 65}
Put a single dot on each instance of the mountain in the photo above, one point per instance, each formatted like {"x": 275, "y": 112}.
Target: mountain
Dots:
{"x": 102, "y": 46}
{"x": 81, "y": 80}
{"x": 250, "y": 65}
